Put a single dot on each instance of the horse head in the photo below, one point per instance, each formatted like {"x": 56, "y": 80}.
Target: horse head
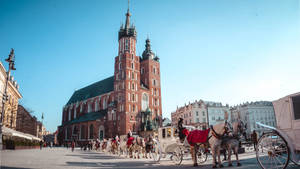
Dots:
{"x": 239, "y": 128}
{"x": 219, "y": 130}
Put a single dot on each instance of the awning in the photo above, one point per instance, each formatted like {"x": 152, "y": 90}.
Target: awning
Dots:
{"x": 11, "y": 132}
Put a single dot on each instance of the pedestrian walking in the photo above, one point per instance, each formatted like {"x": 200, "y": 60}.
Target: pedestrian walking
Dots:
{"x": 41, "y": 144}
{"x": 254, "y": 139}
{"x": 73, "y": 145}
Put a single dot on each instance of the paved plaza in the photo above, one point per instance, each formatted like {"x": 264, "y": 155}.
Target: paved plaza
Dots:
{"x": 63, "y": 158}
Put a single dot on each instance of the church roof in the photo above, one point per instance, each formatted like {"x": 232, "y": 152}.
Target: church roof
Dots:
{"x": 88, "y": 117}
{"x": 93, "y": 90}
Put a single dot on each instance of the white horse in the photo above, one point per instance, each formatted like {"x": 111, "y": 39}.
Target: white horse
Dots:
{"x": 123, "y": 150}
{"x": 108, "y": 148}
{"x": 138, "y": 147}
{"x": 215, "y": 137}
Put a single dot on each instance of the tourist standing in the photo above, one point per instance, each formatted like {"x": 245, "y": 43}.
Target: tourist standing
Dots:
{"x": 254, "y": 139}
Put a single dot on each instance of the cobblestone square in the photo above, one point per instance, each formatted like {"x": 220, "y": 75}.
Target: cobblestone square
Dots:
{"x": 66, "y": 159}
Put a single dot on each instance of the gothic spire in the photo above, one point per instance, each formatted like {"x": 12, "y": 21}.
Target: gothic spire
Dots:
{"x": 128, "y": 30}
{"x": 127, "y": 25}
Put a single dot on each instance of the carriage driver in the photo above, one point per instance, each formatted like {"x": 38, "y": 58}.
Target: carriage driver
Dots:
{"x": 183, "y": 133}
{"x": 129, "y": 143}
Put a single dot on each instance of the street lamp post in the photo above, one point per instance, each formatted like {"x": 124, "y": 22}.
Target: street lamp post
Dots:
{"x": 11, "y": 62}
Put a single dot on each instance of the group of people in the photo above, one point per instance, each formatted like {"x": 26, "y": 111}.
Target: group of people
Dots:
{"x": 45, "y": 144}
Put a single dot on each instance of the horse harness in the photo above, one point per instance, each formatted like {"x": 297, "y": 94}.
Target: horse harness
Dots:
{"x": 217, "y": 135}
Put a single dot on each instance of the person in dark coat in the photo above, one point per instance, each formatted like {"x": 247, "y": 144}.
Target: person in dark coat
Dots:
{"x": 254, "y": 139}
{"x": 41, "y": 144}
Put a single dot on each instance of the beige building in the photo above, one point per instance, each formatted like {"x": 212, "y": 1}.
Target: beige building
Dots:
{"x": 194, "y": 114}
{"x": 11, "y": 105}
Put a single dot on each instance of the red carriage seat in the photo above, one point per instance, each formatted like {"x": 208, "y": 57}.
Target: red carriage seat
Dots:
{"x": 197, "y": 136}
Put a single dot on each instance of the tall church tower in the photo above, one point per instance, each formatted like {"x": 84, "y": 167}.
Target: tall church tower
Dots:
{"x": 127, "y": 78}
{"x": 137, "y": 90}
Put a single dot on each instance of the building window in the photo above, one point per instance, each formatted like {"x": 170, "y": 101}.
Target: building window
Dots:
{"x": 126, "y": 44}
{"x": 132, "y": 87}
{"x": 120, "y": 66}
{"x": 69, "y": 118}
{"x": 133, "y": 97}
{"x": 203, "y": 113}
{"x": 204, "y": 120}
{"x": 197, "y": 120}
{"x": 197, "y": 113}
{"x": 296, "y": 107}
{"x": 75, "y": 113}
{"x": 133, "y": 108}
{"x": 82, "y": 132}
{"x": 104, "y": 103}
{"x": 132, "y": 75}
{"x": 132, "y": 67}
{"x": 89, "y": 107}
{"x": 142, "y": 71}
{"x": 154, "y": 82}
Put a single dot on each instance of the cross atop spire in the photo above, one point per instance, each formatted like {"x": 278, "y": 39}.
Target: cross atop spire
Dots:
{"x": 128, "y": 5}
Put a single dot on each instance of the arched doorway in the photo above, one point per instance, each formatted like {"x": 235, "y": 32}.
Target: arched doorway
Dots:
{"x": 101, "y": 132}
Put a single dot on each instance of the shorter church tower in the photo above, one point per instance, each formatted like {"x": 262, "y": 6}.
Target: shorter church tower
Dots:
{"x": 150, "y": 78}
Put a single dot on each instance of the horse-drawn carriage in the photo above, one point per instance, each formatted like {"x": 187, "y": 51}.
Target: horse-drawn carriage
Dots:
{"x": 168, "y": 144}
{"x": 279, "y": 145}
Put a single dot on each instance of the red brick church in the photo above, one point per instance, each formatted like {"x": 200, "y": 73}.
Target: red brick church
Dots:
{"x": 130, "y": 100}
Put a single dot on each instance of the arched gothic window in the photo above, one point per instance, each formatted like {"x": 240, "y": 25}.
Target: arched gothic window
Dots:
{"x": 104, "y": 103}
{"x": 91, "y": 134}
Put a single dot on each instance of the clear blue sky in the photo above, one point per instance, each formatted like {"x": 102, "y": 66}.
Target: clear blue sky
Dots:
{"x": 227, "y": 51}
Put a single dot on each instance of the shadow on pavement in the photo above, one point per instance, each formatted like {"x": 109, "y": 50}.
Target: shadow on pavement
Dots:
{"x": 5, "y": 167}
{"x": 115, "y": 163}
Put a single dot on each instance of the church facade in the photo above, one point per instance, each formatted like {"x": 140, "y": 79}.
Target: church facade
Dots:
{"x": 130, "y": 100}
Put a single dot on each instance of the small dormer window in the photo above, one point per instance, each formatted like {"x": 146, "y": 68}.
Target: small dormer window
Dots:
{"x": 142, "y": 70}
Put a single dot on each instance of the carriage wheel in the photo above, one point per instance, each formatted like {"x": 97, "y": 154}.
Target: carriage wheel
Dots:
{"x": 272, "y": 151}
{"x": 177, "y": 156}
{"x": 156, "y": 152}
{"x": 202, "y": 155}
